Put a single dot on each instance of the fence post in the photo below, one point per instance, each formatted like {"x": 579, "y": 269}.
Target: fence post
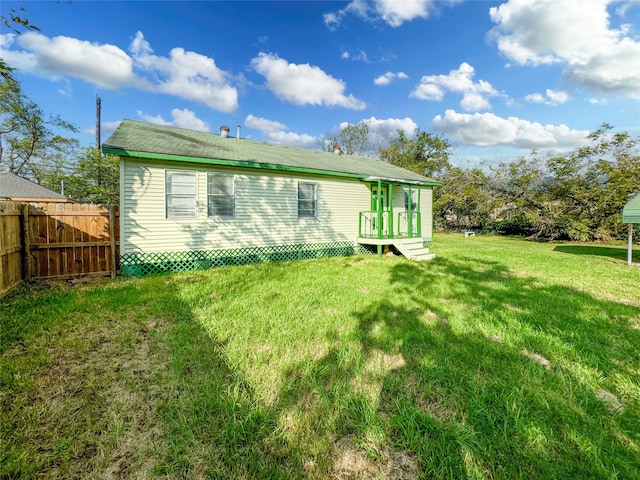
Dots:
{"x": 112, "y": 238}
{"x": 26, "y": 241}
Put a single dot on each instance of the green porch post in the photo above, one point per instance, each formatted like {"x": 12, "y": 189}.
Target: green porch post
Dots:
{"x": 410, "y": 213}
{"x": 419, "y": 229}
{"x": 379, "y": 209}
{"x": 390, "y": 213}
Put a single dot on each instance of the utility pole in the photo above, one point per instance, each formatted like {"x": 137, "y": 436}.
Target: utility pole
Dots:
{"x": 98, "y": 106}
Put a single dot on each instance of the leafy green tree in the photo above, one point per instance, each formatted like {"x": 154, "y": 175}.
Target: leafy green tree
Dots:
{"x": 425, "y": 153}
{"x": 54, "y": 170}
{"x": 463, "y": 201}
{"x": 578, "y": 196}
{"x": 27, "y": 137}
{"x": 15, "y": 21}
{"x": 95, "y": 178}
{"x": 354, "y": 139}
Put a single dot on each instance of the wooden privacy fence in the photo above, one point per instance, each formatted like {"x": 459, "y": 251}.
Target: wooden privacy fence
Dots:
{"x": 59, "y": 240}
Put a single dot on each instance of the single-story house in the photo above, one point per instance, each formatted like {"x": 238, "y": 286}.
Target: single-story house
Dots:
{"x": 631, "y": 215}
{"x": 20, "y": 189}
{"x": 190, "y": 199}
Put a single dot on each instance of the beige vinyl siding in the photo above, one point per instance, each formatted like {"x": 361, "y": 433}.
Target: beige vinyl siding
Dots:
{"x": 266, "y": 210}
{"x": 426, "y": 212}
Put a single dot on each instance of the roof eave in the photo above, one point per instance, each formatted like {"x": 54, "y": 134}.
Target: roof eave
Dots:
{"x": 403, "y": 182}
{"x": 243, "y": 164}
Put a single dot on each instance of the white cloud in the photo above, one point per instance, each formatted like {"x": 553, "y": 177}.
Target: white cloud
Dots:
{"x": 387, "y": 78}
{"x": 264, "y": 125}
{"x": 106, "y": 66}
{"x": 274, "y": 131}
{"x": 392, "y": 12}
{"x": 387, "y": 127}
{"x": 106, "y": 129}
{"x": 382, "y": 131}
{"x": 551, "y": 97}
{"x": 395, "y": 13}
{"x": 303, "y": 84}
{"x": 301, "y": 140}
{"x": 487, "y": 129}
{"x": 475, "y": 94}
{"x": 597, "y": 101}
{"x": 184, "y": 74}
{"x": 180, "y": 118}
{"x": 187, "y": 75}
{"x": 572, "y": 33}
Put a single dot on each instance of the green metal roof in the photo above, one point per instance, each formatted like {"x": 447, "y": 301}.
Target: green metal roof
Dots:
{"x": 146, "y": 140}
{"x": 631, "y": 211}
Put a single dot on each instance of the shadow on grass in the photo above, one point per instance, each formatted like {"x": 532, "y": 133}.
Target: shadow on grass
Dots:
{"x": 619, "y": 253}
{"x": 508, "y": 391}
{"x": 431, "y": 382}
{"x": 459, "y": 370}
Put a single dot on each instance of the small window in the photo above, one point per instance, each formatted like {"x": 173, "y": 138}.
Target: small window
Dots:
{"x": 307, "y": 200}
{"x": 221, "y": 196}
{"x": 181, "y": 194}
{"x": 414, "y": 200}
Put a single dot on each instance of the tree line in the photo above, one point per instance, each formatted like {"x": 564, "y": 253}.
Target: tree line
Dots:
{"x": 34, "y": 146}
{"x": 576, "y": 196}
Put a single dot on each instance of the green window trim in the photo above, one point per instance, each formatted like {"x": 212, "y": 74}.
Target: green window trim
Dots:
{"x": 307, "y": 200}
{"x": 221, "y": 195}
{"x": 181, "y": 194}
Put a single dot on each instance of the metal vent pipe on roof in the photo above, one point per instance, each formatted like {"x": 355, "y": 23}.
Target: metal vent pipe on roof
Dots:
{"x": 238, "y": 132}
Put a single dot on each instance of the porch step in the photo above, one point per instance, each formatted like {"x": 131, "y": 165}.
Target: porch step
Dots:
{"x": 413, "y": 249}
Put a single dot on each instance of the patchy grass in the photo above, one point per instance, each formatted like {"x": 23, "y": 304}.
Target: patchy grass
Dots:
{"x": 500, "y": 359}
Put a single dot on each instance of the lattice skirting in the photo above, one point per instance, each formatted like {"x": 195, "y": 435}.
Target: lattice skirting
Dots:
{"x": 134, "y": 264}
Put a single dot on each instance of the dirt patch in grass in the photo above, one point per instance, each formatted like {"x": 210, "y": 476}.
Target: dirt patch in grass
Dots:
{"x": 610, "y": 401}
{"x": 90, "y": 403}
{"x": 539, "y": 359}
{"x": 353, "y": 463}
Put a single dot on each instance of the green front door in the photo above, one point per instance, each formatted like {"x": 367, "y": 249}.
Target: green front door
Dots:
{"x": 381, "y": 203}
{"x": 381, "y": 207}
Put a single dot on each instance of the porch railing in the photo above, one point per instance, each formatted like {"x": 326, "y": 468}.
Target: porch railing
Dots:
{"x": 409, "y": 224}
{"x": 375, "y": 224}
{"x": 380, "y": 225}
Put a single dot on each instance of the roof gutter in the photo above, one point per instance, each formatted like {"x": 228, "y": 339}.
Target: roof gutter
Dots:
{"x": 402, "y": 182}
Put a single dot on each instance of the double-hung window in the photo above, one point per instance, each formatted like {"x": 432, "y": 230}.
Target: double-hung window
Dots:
{"x": 181, "y": 192}
{"x": 307, "y": 200}
{"x": 221, "y": 195}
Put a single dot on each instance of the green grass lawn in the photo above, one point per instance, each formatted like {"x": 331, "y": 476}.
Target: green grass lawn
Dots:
{"x": 500, "y": 359}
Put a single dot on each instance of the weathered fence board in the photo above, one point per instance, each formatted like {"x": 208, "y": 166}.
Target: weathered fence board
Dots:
{"x": 44, "y": 240}
{"x": 11, "y": 272}
{"x": 73, "y": 239}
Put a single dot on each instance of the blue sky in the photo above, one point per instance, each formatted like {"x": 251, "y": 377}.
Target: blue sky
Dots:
{"x": 498, "y": 78}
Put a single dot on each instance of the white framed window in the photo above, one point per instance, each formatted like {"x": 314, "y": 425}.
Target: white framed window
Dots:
{"x": 307, "y": 200}
{"x": 181, "y": 194}
{"x": 221, "y": 195}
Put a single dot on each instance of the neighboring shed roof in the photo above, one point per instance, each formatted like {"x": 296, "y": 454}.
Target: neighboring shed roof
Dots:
{"x": 18, "y": 188}
{"x": 145, "y": 140}
{"x": 631, "y": 211}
